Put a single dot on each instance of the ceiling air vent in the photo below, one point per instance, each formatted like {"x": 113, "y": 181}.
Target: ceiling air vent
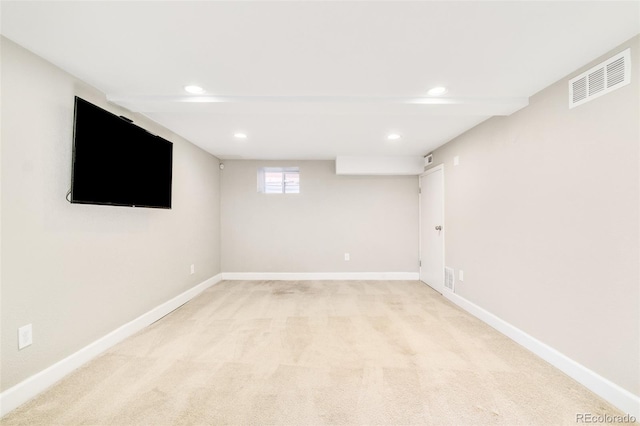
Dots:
{"x": 449, "y": 278}
{"x": 601, "y": 79}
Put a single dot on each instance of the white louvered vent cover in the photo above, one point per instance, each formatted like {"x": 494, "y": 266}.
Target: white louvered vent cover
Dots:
{"x": 449, "y": 278}
{"x": 601, "y": 79}
{"x": 428, "y": 159}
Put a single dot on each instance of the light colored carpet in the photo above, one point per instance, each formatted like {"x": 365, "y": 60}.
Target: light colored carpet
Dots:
{"x": 315, "y": 353}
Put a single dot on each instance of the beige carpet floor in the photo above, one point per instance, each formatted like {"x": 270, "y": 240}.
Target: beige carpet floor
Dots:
{"x": 315, "y": 353}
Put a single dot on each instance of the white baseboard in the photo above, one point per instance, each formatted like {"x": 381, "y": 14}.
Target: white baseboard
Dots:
{"x": 614, "y": 394}
{"x": 306, "y": 276}
{"x": 29, "y": 388}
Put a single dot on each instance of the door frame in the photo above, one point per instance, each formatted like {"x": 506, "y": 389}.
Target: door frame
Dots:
{"x": 444, "y": 228}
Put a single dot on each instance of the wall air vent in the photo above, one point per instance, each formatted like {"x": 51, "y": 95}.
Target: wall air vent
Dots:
{"x": 449, "y": 279}
{"x": 601, "y": 79}
{"x": 428, "y": 160}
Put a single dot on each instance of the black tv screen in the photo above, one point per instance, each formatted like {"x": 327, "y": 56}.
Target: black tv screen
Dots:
{"x": 118, "y": 163}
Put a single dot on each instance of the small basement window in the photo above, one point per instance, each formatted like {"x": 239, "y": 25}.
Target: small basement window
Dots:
{"x": 279, "y": 180}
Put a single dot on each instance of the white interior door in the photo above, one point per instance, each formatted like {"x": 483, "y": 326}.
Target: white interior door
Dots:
{"x": 432, "y": 228}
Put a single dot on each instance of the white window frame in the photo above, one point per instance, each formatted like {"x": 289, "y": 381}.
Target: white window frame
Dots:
{"x": 262, "y": 186}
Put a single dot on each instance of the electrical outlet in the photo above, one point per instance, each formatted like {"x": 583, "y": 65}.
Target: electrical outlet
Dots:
{"x": 25, "y": 336}
{"x": 193, "y": 269}
{"x": 460, "y": 275}
{"x": 456, "y": 160}
{"x": 347, "y": 256}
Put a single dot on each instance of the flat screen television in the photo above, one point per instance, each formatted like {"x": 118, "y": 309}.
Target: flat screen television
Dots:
{"x": 118, "y": 163}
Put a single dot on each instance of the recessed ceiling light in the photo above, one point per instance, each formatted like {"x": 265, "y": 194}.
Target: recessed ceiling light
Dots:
{"x": 437, "y": 91}
{"x": 240, "y": 135}
{"x": 393, "y": 137}
{"x": 196, "y": 90}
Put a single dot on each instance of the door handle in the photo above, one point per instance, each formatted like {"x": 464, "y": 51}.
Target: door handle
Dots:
{"x": 438, "y": 228}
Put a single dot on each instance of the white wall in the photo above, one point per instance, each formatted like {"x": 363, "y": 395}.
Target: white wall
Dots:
{"x": 543, "y": 216}
{"x": 374, "y": 219}
{"x": 77, "y": 272}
